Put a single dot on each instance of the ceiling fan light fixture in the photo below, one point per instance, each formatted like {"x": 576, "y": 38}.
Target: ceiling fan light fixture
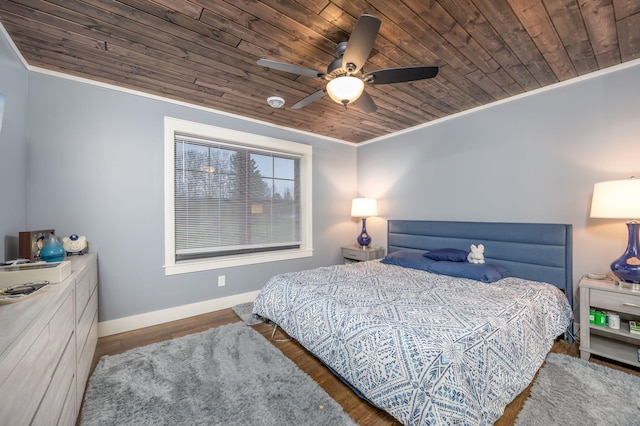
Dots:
{"x": 275, "y": 101}
{"x": 345, "y": 89}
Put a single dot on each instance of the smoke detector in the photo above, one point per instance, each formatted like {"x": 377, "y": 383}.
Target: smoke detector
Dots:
{"x": 275, "y": 101}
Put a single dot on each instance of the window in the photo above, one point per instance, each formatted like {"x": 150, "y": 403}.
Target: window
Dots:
{"x": 233, "y": 198}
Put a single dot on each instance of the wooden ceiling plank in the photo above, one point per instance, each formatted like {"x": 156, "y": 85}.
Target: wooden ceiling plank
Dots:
{"x": 608, "y": 59}
{"x": 505, "y": 22}
{"x": 113, "y": 64}
{"x": 390, "y": 31}
{"x": 599, "y": 21}
{"x": 173, "y": 23}
{"x": 185, "y": 7}
{"x": 295, "y": 16}
{"x": 422, "y": 33}
{"x": 151, "y": 21}
{"x": 315, "y": 6}
{"x": 182, "y": 72}
{"x": 303, "y": 48}
{"x": 629, "y": 35}
{"x": 435, "y": 16}
{"x": 119, "y": 75}
{"x": 533, "y": 15}
{"x": 437, "y": 88}
{"x": 482, "y": 80}
{"x": 65, "y": 18}
{"x": 219, "y": 64}
{"x": 298, "y": 21}
{"x": 567, "y": 20}
{"x": 196, "y": 43}
{"x": 504, "y": 80}
{"x": 474, "y": 22}
{"x": 14, "y": 15}
{"x": 625, "y": 8}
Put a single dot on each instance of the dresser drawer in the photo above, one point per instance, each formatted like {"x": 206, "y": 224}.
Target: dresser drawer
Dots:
{"x": 54, "y": 401}
{"x": 359, "y": 255}
{"x": 83, "y": 292}
{"x": 85, "y": 321}
{"x": 85, "y": 357}
{"x": 614, "y": 301}
{"x": 68, "y": 415}
{"x": 27, "y": 384}
{"x": 61, "y": 327}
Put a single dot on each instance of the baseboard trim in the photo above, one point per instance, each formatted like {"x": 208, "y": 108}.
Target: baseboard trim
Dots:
{"x": 134, "y": 322}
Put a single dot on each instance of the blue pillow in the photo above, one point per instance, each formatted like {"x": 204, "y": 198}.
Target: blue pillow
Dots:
{"x": 409, "y": 259}
{"x": 450, "y": 254}
{"x": 480, "y": 272}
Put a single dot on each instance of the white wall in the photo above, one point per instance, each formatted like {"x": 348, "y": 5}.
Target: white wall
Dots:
{"x": 533, "y": 159}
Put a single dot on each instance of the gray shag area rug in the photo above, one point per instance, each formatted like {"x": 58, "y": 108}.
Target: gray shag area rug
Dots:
{"x": 571, "y": 391}
{"x": 229, "y": 375}
{"x": 245, "y": 311}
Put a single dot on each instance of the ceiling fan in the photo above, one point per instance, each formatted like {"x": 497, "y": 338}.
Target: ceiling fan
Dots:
{"x": 345, "y": 75}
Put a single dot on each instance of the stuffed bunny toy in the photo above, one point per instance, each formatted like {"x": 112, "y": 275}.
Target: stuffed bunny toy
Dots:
{"x": 476, "y": 255}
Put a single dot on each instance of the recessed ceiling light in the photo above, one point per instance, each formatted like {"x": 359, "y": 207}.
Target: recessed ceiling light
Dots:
{"x": 275, "y": 101}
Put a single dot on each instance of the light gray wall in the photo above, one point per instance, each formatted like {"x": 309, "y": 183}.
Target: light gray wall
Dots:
{"x": 13, "y": 150}
{"x": 96, "y": 169}
{"x": 534, "y": 159}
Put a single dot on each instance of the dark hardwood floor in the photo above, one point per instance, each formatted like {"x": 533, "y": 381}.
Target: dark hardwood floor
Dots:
{"x": 362, "y": 412}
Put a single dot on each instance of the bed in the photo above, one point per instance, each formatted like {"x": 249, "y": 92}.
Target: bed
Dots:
{"x": 430, "y": 348}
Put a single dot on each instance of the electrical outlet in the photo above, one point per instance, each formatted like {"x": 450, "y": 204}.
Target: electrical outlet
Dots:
{"x": 221, "y": 280}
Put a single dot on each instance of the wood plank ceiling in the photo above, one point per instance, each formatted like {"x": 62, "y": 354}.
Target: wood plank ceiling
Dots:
{"x": 204, "y": 52}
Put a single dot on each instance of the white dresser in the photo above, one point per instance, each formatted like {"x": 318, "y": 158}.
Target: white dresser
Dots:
{"x": 47, "y": 343}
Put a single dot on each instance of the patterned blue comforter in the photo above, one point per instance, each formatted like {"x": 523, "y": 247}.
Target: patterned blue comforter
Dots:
{"x": 428, "y": 349}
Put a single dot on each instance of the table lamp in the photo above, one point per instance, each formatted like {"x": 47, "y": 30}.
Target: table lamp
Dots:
{"x": 620, "y": 199}
{"x": 364, "y": 208}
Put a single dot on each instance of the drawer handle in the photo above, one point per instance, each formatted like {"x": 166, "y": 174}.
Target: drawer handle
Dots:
{"x": 633, "y": 305}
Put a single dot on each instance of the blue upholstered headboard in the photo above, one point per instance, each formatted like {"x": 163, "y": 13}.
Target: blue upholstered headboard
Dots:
{"x": 535, "y": 251}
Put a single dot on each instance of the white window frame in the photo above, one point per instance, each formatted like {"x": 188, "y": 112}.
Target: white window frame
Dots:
{"x": 184, "y": 127}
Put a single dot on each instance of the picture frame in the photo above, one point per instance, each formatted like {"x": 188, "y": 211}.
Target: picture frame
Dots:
{"x": 30, "y": 243}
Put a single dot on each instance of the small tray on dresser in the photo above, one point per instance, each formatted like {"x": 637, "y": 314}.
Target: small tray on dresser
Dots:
{"x": 21, "y": 292}
{"x": 53, "y": 272}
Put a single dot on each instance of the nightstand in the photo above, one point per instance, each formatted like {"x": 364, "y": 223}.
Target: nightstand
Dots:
{"x": 619, "y": 345}
{"x": 351, "y": 254}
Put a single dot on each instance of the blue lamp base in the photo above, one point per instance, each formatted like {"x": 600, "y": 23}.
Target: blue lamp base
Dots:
{"x": 364, "y": 239}
{"x": 627, "y": 266}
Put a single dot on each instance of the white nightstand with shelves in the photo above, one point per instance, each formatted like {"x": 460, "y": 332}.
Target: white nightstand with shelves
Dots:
{"x": 619, "y": 345}
{"x": 351, "y": 254}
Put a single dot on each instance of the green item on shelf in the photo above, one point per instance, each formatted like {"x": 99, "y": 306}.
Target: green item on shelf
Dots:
{"x": 600, "y": 318}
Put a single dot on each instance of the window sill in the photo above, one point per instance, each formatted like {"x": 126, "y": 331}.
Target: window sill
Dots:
{"x": 234, "y": 261}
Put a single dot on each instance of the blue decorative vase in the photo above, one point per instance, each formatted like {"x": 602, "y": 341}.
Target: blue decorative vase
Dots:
{"x": 627, "y": 266}
{"x": 52, "y": 250}
{"x": 364, "y": 239}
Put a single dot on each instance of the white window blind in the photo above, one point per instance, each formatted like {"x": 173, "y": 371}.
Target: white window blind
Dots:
{"x": 232, "y": 199}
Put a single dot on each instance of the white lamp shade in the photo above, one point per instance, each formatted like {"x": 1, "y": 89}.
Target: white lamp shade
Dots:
{"x": 345, "y": 89}
{"x": 616, "y": 199}
{"x": 364, "y": 207}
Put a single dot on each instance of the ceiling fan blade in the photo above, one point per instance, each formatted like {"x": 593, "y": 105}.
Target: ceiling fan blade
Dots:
{"x": 361, "y": 42}
{"x": 400, "y": 75}
{"x": 365, "y": 103}
{"x": 293, "y": 69}
{"x": 309, "y": 99}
